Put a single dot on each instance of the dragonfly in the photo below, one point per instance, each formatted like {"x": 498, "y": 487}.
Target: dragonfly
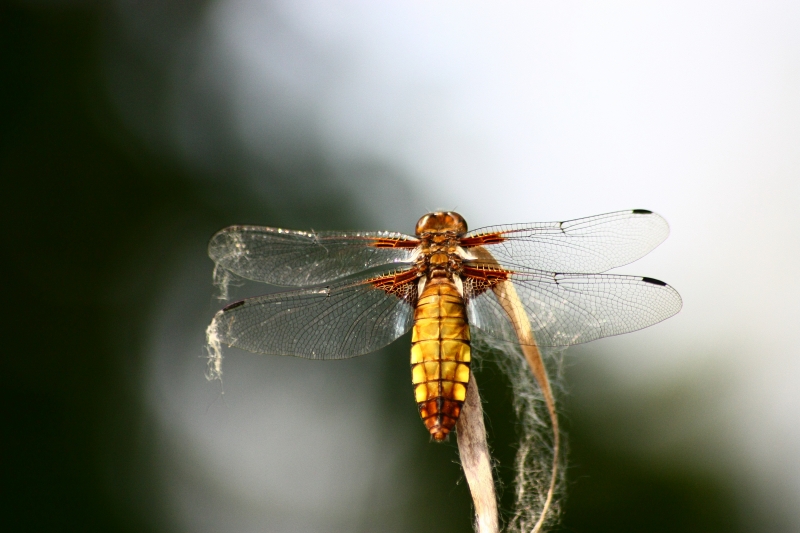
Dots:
{"x": 357, "y": 292}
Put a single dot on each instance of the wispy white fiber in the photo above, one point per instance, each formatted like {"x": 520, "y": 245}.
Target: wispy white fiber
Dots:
{"x": 214, "y": 350}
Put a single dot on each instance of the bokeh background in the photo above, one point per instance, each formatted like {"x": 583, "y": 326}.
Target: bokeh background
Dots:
{"x": 132, "y": 131}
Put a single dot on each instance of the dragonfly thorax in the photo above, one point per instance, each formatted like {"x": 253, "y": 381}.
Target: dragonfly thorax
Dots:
{"x": 439, "y": 235}
{"x": 439, "y": 256}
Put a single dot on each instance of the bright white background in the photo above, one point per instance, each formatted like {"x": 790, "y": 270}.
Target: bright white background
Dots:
{"x": 530, "y": 111}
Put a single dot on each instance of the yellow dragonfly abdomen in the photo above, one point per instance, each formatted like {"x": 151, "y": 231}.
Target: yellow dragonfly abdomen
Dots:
{"x": 440, "y": 355}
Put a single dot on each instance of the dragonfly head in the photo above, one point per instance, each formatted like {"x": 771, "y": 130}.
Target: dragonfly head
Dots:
{"x": 440, "y": 222}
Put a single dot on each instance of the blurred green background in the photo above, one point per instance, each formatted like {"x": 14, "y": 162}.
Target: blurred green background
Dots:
{"x": 99, "y": 218}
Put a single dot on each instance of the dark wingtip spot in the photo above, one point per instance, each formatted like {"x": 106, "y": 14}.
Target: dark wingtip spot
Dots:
{"x": 234, "y": 305}
{"x": 654, "y": 281}
{"x": 642, "y": 212}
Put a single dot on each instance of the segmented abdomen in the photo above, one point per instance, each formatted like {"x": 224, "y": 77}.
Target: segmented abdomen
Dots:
{"x": 440, "y": 356}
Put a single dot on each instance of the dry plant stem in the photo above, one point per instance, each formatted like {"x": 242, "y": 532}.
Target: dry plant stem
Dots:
{"x": 476, "y": 461}
{"x": 513, "y": 307}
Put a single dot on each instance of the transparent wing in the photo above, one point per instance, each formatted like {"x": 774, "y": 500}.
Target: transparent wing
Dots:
{"x": 566, "y": 309}
{"x": 336, "y": 322}
{"x": 592, "y": 244}
{"x": 301, "y": 259}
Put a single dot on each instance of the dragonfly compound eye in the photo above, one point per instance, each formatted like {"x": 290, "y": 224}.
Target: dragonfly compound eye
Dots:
{"x": 442, "y": 221}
